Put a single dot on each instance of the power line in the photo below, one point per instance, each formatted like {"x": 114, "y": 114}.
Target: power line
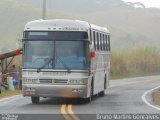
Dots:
{"x": 44, "y": 10}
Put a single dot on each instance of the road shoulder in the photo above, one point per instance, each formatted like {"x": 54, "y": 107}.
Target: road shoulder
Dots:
{"x": 147, "y": 98}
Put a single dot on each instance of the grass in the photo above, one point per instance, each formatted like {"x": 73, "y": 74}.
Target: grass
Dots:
{"x": 156, "y": 97}
{"x": 9, "y": 93}
{"x": 135, "y": 62}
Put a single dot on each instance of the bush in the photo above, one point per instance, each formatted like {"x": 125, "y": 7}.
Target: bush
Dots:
{"x": 135, "y": 62}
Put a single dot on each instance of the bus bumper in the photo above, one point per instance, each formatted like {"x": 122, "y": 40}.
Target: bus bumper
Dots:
{"x": 65, "y": 91}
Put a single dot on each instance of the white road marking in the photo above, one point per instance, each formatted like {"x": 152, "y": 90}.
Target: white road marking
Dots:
{"x": 145, "y": 100}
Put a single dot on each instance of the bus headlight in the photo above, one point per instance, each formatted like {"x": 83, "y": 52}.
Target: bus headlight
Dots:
{"x": 30, "y": 80}
{"x": 80, "y": 81}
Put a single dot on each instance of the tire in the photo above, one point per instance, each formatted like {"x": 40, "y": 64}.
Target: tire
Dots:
{"x": 35, "y": 100}
{"x": 105, "y": 79}
{"x": 101, "y": 94}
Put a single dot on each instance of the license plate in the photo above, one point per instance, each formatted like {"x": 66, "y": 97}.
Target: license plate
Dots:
{"x": 30, "y": 91}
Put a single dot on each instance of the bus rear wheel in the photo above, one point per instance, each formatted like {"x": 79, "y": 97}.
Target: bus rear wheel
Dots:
{"x": 101, "y": 94}
{"x": 35, "y": 100}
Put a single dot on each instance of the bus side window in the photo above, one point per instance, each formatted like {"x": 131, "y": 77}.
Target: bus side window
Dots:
{"x": 94, "y": 39}
{"x": 97, "y": 41}
{"x": 100, "y": 42}
{"x": 91, "y": 37}
{"x": 108, "y": 43}
{"x": 103, "y": 42}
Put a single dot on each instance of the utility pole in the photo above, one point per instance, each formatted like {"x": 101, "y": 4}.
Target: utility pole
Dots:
{"x": 44, "y": 10}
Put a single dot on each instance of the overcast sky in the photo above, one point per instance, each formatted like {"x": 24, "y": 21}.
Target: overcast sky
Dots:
{"x": 147, "y": 3}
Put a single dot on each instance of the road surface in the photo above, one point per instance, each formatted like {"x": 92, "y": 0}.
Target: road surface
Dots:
{"x": 123, "y": 97}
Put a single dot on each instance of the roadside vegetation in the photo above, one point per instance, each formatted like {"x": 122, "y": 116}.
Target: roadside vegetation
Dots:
{"x": 156, "y": 97}
{"x": 135, "y": 62}
{"x": 9, "y": 93}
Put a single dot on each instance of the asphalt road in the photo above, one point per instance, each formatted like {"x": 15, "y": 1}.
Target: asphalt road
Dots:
{"x": 123, "y": 97}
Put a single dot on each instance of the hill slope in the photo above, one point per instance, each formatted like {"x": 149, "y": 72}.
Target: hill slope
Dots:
{"x": 129, "y": 27}
{"x": 14, "y": 14}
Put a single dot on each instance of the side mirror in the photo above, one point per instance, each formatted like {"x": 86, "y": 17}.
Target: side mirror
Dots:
{"x": 18, "y": 52}
{"x": 92, "y": 54}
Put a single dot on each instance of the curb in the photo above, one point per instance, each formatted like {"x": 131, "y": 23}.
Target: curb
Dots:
{"x": 151, "y": 91}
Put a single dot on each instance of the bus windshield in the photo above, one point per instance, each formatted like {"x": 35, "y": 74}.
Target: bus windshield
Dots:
{"x": 70, "y": 53}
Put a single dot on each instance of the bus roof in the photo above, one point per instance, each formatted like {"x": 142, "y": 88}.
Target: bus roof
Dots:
{"x": 62, "y": 25}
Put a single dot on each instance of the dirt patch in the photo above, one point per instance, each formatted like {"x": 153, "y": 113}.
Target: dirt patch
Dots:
{"x": 9, "y": 93}
{"x": 156, "y": 97}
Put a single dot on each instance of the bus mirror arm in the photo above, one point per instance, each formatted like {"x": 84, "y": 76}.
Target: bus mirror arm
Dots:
{"x": 84, "y": 61}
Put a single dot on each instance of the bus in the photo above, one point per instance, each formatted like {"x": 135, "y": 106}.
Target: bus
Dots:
{"x": 65, "y": 58}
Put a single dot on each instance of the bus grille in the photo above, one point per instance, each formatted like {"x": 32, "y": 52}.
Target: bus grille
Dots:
{"x": 45, "y": 80}
{"x": 53, "y": 81}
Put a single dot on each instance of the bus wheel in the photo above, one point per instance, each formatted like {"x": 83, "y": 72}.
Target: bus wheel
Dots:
{"x": 101, "y": 94}
{"x": 105, "y": 80}
{"x": 35, "y": 100}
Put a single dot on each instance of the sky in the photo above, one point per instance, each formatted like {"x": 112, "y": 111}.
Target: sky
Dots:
{"x": 147, "y": 3}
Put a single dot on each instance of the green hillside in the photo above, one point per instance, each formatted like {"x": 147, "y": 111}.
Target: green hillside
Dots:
{"x": 13, "y": 16}
{"x": 128, "y": 27}
{"x": 130, "y": 30}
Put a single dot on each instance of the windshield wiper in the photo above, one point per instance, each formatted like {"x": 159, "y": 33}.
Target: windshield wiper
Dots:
{"x": 64, "y": 64}
{"x": 48, "y": 61}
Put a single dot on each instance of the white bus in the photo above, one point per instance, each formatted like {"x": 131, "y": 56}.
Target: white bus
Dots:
{"x": 65, "y": 58}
